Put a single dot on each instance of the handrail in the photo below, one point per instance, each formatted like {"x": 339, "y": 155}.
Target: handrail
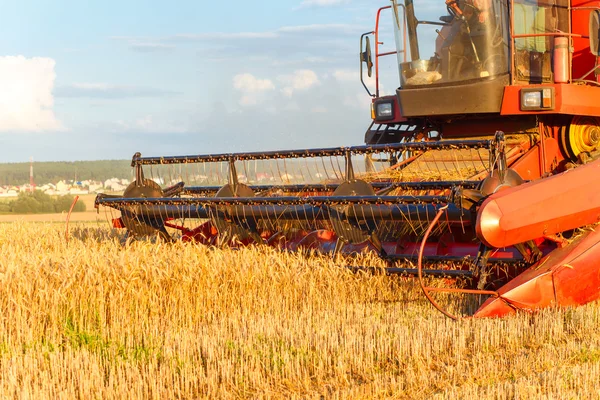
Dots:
{"x": 512, "y": 42}
{"x": 377, "y": 43}
{"x": 377, "y": 53}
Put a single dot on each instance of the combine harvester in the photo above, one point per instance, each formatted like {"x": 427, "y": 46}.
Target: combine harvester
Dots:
{"x": 485, "y": 163}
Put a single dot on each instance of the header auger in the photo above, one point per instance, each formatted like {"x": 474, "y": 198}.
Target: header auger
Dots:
{"x": 484, "y": 165}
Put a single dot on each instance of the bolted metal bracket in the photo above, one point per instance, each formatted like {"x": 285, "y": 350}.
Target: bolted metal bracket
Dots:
{"x": 349, "y": 168}
{"x": 498, "y": 164}
{"x": 139, "y": 172}
{"x": 233, "y": 178}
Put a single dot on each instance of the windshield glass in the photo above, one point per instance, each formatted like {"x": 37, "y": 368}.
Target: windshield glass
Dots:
{"x": 469, "y": 41}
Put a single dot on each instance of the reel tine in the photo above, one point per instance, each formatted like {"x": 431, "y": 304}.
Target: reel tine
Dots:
{"x": 287, "y": 173}
{"x": 337, "y": 170}
{"x": 302, "y": 172}
{"x": 245, "y": 168}
{"x": 279, "y": 171}
{"x": 457, "y": 164}
{"x": 325, "y": 169}
{"x": 481, "y": 160}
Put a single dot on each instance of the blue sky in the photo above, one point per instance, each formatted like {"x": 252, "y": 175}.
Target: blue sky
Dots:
{"x": 102, "y": 80}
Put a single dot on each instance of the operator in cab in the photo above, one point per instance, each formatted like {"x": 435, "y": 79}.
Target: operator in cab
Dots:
{"x": 469, "y": 46}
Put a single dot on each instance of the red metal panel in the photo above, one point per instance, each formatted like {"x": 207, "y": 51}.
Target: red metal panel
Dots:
{"x": 544, "y": 207}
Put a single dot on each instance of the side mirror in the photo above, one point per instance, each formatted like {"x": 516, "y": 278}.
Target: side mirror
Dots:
{"x": 595, "y": 32}
{"x": 366, "y": 56}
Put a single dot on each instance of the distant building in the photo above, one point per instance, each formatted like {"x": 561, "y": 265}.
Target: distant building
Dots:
{"x": 62, "y": 187}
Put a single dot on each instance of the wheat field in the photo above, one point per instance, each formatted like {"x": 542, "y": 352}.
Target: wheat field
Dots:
{"x": 92, "y": 318}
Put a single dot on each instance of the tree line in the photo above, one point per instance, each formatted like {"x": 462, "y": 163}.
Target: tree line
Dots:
{"x": 52, "y": 172}
{"x": 40, "y": 203}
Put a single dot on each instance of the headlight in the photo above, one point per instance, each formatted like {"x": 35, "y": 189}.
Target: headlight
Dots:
{"x": 385, "y": 111}
{"x": 532, "y": 99}
{"x": 539, "y": 98}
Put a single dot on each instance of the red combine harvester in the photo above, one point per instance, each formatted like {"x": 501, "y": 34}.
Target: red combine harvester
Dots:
{"x": 484, "y": 165}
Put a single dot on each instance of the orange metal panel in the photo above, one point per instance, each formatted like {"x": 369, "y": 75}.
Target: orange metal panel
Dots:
{"x": 528, "y": 166}
{"x": 567, "y": 276}
{"x": 570, "y": 99}
{"x": 543, "y": 207}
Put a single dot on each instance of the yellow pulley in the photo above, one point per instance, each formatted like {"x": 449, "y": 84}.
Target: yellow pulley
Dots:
{"x": 583, "y": 135}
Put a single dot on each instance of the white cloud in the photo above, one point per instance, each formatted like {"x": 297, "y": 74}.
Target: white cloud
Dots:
{"x": 252, "y": 88}
{"x": 353, "y": 75}
{"x": 26, "y": 101}
{"x": 345, "y": 75}
{"x": 299, "y": 80}
{"x": 249, "y": 83}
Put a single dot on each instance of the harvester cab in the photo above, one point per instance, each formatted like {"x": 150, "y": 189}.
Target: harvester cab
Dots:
{"x": 475, "y": 60}
{"x": 481, "y": 166}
